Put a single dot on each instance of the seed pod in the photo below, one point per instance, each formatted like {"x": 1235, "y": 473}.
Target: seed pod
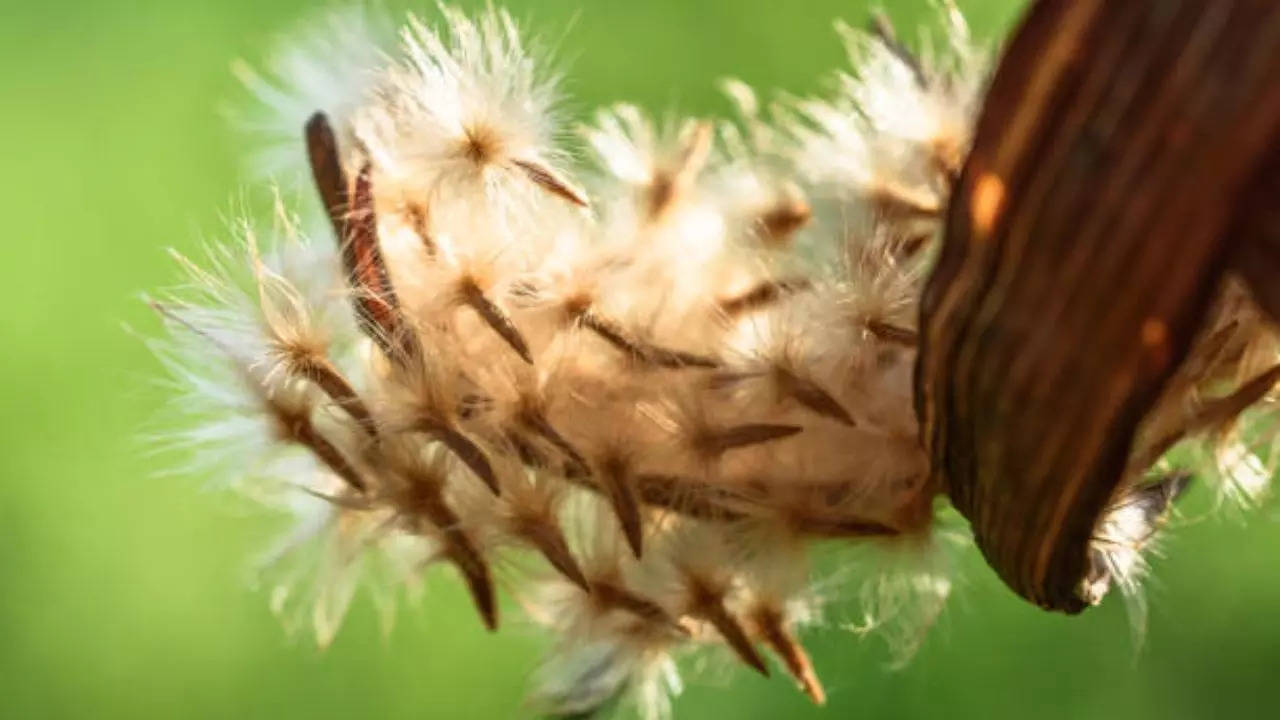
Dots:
{"x": 1257, "y": 230}
{"x": 1087, "y": 237}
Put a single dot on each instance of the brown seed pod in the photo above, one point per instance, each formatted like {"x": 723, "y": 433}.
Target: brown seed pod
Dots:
{"x": 1115, "y": 178}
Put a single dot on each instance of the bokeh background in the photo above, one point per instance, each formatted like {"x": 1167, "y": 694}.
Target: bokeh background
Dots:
{"x": 125, "y": 595}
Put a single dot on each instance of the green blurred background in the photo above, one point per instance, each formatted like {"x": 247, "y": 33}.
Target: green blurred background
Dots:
{"x": 125, "y": 595}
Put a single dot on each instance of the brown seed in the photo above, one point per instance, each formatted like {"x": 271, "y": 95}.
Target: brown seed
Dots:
{"x": 893, "y": 334}
{"x": 781, "y": 221}
{"x": 305, "y": 434}
{"x": 762, "y": 295}
{"x": 614, "y": 477}
{"x": 548, "y": 539}
{"x": 614, "y": 334}
{"x": 425, "y": 499}
{"x": 322, "y": 372}
{"x": 708, "y": 604}
{"x": 613, "y": 594}
{"x": 775, "y": 633}
{"x": 294, "y": 426}
{"x": 714, "y": 442}
{"x": 545, "y": 178}
{"x": 536, "y": 422}
{"x": 811, "y": 395}
{"x": 494, "y": 316}
{"x": 465, "y": 450}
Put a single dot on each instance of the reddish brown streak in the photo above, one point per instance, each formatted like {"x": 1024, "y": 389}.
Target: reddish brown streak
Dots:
{"x": 356, "y": 226}
{"x": 326, "y": 170}
{"x": 376, "y": 299}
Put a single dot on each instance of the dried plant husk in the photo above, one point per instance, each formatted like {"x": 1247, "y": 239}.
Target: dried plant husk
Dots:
{"x": 1111, "y": 186}
{"x": 1257, "y": 230}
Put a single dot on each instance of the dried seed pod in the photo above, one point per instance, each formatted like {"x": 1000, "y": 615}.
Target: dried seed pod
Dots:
{"x": 1257, "y": 230}
{"x": 1085, "y": 242}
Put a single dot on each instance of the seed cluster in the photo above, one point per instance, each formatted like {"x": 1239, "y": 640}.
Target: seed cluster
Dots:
{"x": 640, "y": 398}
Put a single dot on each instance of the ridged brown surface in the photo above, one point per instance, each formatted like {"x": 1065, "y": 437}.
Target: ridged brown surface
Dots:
{"x": 1087, "y": 236}
{"x": 1257, "y": 231}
